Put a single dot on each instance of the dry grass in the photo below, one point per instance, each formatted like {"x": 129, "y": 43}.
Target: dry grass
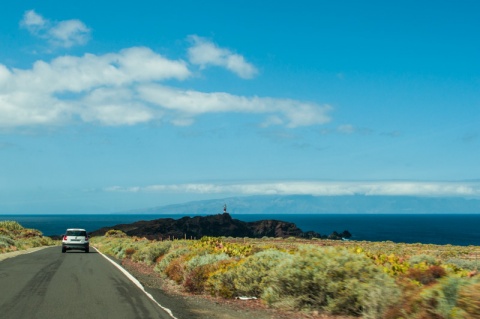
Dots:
{"x": 417, "y": 270}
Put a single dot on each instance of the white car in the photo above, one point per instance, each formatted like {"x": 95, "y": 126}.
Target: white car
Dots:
{"x": 75, "y": 238}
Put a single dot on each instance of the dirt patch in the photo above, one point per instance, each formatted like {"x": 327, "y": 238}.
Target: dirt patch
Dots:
{"x": 204, "y": 306}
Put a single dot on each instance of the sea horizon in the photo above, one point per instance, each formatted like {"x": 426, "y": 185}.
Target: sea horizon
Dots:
{"x": 441, "y": 229}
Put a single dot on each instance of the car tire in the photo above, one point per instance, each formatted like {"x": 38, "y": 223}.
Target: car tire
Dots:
{"x": 63, "y": 250}
{"x": 87, "y": 250}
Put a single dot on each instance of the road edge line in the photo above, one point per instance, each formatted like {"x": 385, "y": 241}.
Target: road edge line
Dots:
{"x": 137, "y": 283}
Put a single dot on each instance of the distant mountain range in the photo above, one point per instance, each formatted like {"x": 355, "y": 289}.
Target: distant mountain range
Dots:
{"x": 306, "y": 204}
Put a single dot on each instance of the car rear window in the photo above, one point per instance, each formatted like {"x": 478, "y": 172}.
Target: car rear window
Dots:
{"x": 76, "y": 233}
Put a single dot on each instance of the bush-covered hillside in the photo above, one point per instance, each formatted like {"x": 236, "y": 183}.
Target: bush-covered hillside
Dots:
{"x": 361, "y": 279}
{"x": 14, "y": 236}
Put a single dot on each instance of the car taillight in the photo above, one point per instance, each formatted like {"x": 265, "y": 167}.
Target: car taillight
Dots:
{"x": 65, "y": 237}
{"x": 86, "y": 237}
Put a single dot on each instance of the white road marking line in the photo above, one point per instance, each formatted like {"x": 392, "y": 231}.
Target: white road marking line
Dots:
{"x": 137, "y": 283}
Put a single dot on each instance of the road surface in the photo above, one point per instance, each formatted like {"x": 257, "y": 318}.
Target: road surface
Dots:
{"x": 49, "y": 284}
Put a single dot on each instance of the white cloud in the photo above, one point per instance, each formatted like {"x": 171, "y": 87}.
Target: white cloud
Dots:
{"x": 290, "y": 112}
{"x": 33, "y": 22}
{"x": 77, "y": 74}
{"x": 68, "y": 86}
{"x": 205, "y": 53}
{"x": 69, "y": 33}
{"x": 394, "y": 188}
{"x": 4, "y": 76}
{"x": 114, "y": 107}
{"x": 123, "y": 88}
{"x": 21, "y": 108}
{"x": 65, "y": 34}
{"x": 144, "y": 65}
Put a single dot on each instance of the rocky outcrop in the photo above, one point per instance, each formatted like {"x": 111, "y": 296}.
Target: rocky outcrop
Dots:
{"x": 214, "y": 225}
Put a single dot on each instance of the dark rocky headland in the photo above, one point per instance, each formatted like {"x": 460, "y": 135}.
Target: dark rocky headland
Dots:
{"x": 216, "y": 226}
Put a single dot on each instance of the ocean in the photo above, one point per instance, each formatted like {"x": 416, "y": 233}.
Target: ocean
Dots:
{"x": 441, "y": 229}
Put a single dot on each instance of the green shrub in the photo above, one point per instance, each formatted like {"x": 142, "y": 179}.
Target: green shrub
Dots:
{"x": 119, "y": 251}
{"x": 175, "y": 270}
{"x": 35, "y": 242}
{"x": 14, "y": 236}
{"x": 151, "y": 252}
{"x": 197, "y": 277}
{"x": 331, "y": 280}
{"x": 218, "y": 245}
{"x": 115, "y": 233}
{"x": 201, "y": 260}
{"x": 440, "y": 300}
{"x": 10, "y": 225}
{"x": 6, "y": 242}
{"x": 469, "y": 299}
{"x": 426, "y": 276}
{"x": 358, "y": 281}
{"x": 452, "y": 297}
{"x": 247, "y": 278}
{"x": 252, "y": 274}
{"x": 29, "y": 233}
{"x": 464, "y": 263}
{"x": 426, "y": 259}
{"x": 221, "y": 282}
{"x": 173, "y": 253}
{"x": 110, "y": 246}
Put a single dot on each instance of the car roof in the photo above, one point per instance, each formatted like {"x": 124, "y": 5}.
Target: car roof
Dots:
{"x": 76, "y": 229}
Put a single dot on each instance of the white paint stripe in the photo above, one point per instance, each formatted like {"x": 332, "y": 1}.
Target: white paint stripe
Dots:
{"x": 137, "y": 283}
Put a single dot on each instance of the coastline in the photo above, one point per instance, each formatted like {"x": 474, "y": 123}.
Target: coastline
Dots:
{"x": 442, "y": 229}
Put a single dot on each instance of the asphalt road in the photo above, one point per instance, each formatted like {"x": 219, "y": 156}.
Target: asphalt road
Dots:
{"x": 49, "y": 284}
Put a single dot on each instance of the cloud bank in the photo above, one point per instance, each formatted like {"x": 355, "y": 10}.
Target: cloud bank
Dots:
{"x": 125, "y": 88}
{"x": 129, "y": 87}
{"x": 390, "y": 188}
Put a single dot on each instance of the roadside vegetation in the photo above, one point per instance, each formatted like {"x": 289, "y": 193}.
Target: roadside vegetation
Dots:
{"x": 316, "y": 277}
{"x": 14, "y": 236}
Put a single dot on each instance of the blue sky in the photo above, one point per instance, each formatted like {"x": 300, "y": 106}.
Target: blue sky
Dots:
{"x": 113, "y": 105}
